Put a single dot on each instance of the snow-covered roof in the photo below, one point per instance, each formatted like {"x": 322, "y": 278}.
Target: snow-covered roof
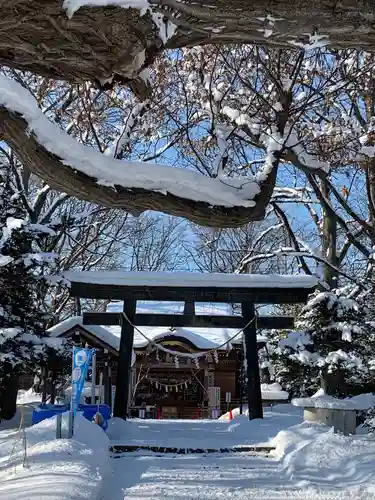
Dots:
{"x": 191, "y": 279}
{"x": 202, "y": 338}
{"x": 101, "y": 332}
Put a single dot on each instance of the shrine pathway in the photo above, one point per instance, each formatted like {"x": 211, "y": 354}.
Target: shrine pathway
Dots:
{"x": 145, "y": 475}
{"x": 203, "y": 433}
{"x": 211, "y": 477}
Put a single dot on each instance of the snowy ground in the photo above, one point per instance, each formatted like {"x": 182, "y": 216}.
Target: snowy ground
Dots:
{"x": 211, "y": 433}
{"x": 56, "y": 469}
{"x": 309, "y": 462}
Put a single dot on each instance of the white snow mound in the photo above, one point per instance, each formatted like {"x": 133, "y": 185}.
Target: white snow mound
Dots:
{"x": 58, "y": 469}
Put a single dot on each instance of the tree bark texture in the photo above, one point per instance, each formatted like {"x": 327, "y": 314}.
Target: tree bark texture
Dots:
{"x": 105, "y": 43}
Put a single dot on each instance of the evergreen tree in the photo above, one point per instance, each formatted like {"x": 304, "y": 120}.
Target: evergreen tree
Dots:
{"x": 333, "y": 348}
{"x": 22, "y": 320}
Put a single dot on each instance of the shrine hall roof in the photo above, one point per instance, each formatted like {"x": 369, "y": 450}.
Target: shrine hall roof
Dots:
{"x": 202, "y": 338}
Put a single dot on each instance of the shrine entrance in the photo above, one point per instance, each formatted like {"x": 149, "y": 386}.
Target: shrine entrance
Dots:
{"x": 168, "y": 389}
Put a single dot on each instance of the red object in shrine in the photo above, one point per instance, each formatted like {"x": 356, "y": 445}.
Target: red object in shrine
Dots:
{"x": 158, "y": 416}
{"x": 230, "y": 415}
{"x": 198, "y": 414}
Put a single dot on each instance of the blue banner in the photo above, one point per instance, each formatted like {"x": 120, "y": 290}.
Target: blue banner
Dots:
{"x": 81, "y": 362}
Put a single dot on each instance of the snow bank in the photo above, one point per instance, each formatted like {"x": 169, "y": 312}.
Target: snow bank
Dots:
{"x": 263, "y": 430}
{"x": 119, "y": 429}
{"x": 57, "y": 469}
{"x": 273, "y": 392}
{"x": 313, "y": 455}
{"x": 25, "y": 397}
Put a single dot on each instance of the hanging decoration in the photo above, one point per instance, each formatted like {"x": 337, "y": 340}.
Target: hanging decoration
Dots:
{"x": 179, "y": 385}
{"x": 189, "y": 357}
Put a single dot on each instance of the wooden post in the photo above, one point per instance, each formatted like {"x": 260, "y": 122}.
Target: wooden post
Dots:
{"x": 58, "y": 425}
{"x": 124, "y": 361}
{"x": 189, "y": 308}
{"x": 254, "y": 394}
{"x": 107, "y": 384}
{"x": 93, "y": 379}
{"x": 44, "y": 382}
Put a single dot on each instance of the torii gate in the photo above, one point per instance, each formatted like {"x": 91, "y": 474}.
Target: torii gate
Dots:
{"x": 189, "y": 288}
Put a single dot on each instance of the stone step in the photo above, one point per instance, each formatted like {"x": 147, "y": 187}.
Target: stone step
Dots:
{"x": 120, "y": 449}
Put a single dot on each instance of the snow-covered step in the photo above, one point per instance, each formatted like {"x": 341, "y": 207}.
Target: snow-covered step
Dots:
{"x": 118, "y": 450}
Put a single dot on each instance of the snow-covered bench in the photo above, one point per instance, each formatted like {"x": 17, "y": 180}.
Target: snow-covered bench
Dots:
{"x": 341, "y": 414}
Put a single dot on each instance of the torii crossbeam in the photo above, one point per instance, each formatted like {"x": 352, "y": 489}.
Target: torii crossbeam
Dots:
{"x": 248, "y": 290}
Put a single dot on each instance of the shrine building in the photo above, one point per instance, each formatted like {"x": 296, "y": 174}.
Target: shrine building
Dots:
{"x": 206, "y": 376}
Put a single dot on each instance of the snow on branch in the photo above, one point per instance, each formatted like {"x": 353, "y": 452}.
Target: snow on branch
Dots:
{"x": 136, "y": 186}
{"x": 166, "y": 28}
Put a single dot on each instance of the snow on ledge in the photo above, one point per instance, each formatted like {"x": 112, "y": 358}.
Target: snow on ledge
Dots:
{"x": 183, "y": 183}
{"x": 273, "y": 392}
{"x": 190, "y": 279}
{"x": 321, "y": 400}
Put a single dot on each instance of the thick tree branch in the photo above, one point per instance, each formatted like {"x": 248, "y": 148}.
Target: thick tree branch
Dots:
{"x": 14, "y": 130}
{"x": 106, "y": 44}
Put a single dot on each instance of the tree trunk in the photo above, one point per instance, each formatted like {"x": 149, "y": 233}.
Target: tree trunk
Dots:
{"x": 8, "y": 398}
{"x": 329, "y": 241}
{"x": 370, "y": 177}
{"x": 334, "y": 383}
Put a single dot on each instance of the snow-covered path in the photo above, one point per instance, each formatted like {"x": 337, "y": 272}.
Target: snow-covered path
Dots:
{"x": 214, "y": 477}
{"x": 310, "y": 461}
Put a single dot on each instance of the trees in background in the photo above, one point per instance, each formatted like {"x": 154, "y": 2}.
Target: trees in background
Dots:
{"x": 333, "y": 348}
